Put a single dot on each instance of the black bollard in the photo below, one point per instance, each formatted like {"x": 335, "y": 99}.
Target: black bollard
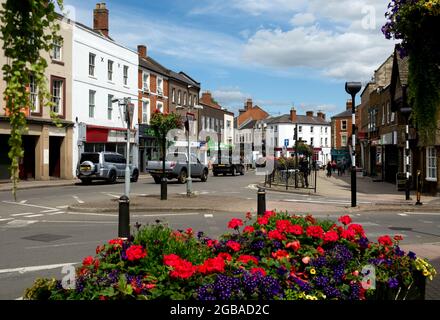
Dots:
{"x": 163, "y": 189}
{"x": 261, "y": 202}
{"x": 124, "y": 217}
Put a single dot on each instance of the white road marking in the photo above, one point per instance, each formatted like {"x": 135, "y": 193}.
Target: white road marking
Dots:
{"x": 21, "y": 214}
{"x": 52, "y": 210}
{"x": 424, "y": 213}
{"x": 323, "y": 201}
{"x": 111, "y": 195}
{"x": 62, "y": 207}
{"x": 20, "y": 223}
{"x": 29, "y": 205}
{"x": 37, "y": 268}
{"x": 23, "y": 201}
{"x": 34, "y": 215}
{"x": 402, "y": 214}
{"x": 87, "y": 223}
{"x": 60, "y": 245}
{"x": 55, "y": 213}
{"x": 169, "y": 214}
{"x": 6, "y": 219}
{"x": 78, "y": 199}
{"x": 93, "y": 214}
{"x": 426, "y": 221}
{"x": 209, "y": 216}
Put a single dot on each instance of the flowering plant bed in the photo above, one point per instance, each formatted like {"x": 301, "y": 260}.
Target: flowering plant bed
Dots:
{"x": 278, "y": 256}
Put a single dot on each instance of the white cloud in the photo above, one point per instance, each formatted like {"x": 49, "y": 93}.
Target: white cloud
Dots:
{"x": 302, "y": 19}
{"x": 230, "y": 96}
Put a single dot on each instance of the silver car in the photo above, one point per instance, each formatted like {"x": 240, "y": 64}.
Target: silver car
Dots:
{"x": 104, "y": 166}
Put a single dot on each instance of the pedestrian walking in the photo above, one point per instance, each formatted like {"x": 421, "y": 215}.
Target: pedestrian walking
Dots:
{"x": 329, "y": 169}
{"x": 334, "y": 166}
{"x": 304, "y": 168}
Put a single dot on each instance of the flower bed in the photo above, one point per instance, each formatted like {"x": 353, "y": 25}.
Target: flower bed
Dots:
{"x": 278, "y": 256}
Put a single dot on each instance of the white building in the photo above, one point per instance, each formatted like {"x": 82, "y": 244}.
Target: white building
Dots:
{"x": 102, "y": 71}
{"x": 312, "y": 130}
{"x": 228, "y": 133}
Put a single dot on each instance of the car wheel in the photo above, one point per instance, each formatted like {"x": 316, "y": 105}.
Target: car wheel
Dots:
{"x": 156, "y": 180}
{"x": 215, "y": 174}
{"x": 204, "y": 176}
{"x": 112, "y": 177}
{"x": 234, "y": 172}
{"x": 86, "y": 181}
{"x": 182, "y": 177}
{"x": 242, "y": 171}
{"x": 135, "y": 176}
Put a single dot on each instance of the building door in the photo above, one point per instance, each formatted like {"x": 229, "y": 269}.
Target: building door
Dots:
{"x": 27, "y": 163}
{"x": 391, "y": 163}
{"x": 54, "y": 156}
{"x": 4, "y": 159}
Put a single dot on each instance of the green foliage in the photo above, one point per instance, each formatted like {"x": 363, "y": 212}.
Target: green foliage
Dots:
{"x": 27, "y": 28}
{"x": 161, "y": 123}
{"x": 416, "y": 23}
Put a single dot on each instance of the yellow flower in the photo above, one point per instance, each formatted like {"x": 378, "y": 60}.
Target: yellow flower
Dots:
{"x": 312, "y": 271}
{"x": 309, "y": 297}
{"x": 426, "y": 273}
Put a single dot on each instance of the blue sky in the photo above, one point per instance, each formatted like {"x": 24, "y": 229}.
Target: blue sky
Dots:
{"x": 278, "y": 52}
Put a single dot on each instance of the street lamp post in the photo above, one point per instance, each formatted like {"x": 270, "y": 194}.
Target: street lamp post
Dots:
{"x": 353, "y": 88}
{"x": 406, "y": 111}
{"x": 189, "y": 118}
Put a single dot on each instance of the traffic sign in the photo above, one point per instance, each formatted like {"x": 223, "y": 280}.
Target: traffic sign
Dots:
{"x": 286, "y": 142}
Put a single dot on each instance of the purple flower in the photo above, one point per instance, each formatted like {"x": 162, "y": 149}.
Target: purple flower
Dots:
{"x": 399, "y": 252}
{"x": 412, "y": 255}
{"x": 393, "y": 283}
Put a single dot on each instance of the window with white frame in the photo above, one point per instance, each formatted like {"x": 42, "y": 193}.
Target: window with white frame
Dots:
{"x": 159, "y": 86}
{"x": 125, "y": 75}
{"x": 321, "y": 141}
{"x": 311, "y": 129}
{"x": 145, "y": 111}
{"x": 110, "y": 70}
{"x": 92, "y": 64}
{"x": 92, "y": 103}
{"x": 109, "y": 106}
{"x": 190, "y": 100}
{"x": 195, "y": 99}
{"x": 343, "y": 140}
{"x": 431, "y": 164}
{"x": 57, "y": 49}
{"x": 145, "y": 81}
{"x": 325, "y": 130}
{"x": 311, "y": 141}
{"x": 33, "y": 91}
{"x": 203, "y": 122}
{"x": 388, "y": 112}
{"x": 173, "y": 95}
{"x": 160, "y": 106}
{"x": 57, "y": 96}
{"x": 184, "y": 98}
{"x": 326, "y": 142}
{"x": 179, "y": 95}
{"x": 344, "y": 125}
{"x": 300, "y": 128}
{"x": 383, "y": 114}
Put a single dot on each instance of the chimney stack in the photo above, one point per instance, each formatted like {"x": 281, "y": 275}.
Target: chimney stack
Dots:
{"x": 321, "y": 115}
{"x": 206, "y": 98}
{"x": 293, "y": 115}
{"x": 349, "y": 104}
{"x": 248, "y": 104}
{"x": 142, "y": 51}
{"x": 309, "y": 113}
{"x": 100, "y": 18}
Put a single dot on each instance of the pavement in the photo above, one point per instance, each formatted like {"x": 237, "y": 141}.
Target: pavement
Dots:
{"x": 378, "y": 195}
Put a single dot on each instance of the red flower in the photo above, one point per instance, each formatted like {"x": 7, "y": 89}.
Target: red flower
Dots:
{"x": 295, "y": 229}
{"x": 99, "y": 249}
{"x": 261, "y": 271}
{"x": 276, "y": 235}
{"x": 233, "y": 245}
{"x": 248, "y": 215}
{"x": 320, "y": 251}
{"x": 235, "y": 223}
{"x": 348, "y": 234}
{"x": 189, "y": 232}
{"x": 385, "y": 241}
{"x": 248, "y": 229}
{"x": 246, "y": 258}
{"x": 398, "y": 237}
{"x": 150, "y": 286}
{"x": 171, "y": 260}
{"x": 283, "y": 225}
{"x": 88, "y": 261}
{"x": 136, "y": 289}
{"x": 212, "y": 265}
{"x": 345, "y": 220}
{"x": 183, "y": 269}
{"x": 97, "y": 263}
{"x": 295, "y": 245}
{"x": 102, "y": 298}
{"x": 116, "y": 242}
{"x": 225, "y": 256}
{"x": 135, "y": 252}
{"x": 331, "y": 236}
{"x": 269, "y": 214}
{"x": 280, "y": 254}
{"x": 263, "y": 220}
{"x": 357, "y": 228}
{"x": 210, "y": 243}
{"x": 315, "y": 231}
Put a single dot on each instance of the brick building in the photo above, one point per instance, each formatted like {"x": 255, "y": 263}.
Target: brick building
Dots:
{"x": 341, "y": 131}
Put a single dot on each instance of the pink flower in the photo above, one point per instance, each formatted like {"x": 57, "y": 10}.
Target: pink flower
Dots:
{"x": 306, "y": 260}
{"x": 295, "y": 245}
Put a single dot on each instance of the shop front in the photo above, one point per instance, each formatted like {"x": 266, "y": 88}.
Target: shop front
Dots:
{"x": 149, "y": 149}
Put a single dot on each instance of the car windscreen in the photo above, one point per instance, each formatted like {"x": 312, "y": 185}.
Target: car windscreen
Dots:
{"x": 92, "y": 157}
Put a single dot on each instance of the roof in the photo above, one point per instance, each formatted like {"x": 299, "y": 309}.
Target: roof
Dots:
{"x": 403, "y": 69}
{"x": 248, "y": 124}
{"x": 220, "y": 108}
{"x": 151, "y": 64}
{"x": 285, "y": 118}
{"x": 183, "y": 77}
{"x": 345, "y": 114}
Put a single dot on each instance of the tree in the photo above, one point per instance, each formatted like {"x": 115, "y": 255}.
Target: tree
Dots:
{"x": 162, "y": 123}
{"x": 27, "y": 28}
{"x": 416, "y": 24}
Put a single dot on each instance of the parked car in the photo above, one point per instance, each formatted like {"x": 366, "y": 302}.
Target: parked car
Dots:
{"x": 104, "y": 166}
{"x": 176, "y": 167}
{"x": 229, "y": 165}
{"x": 319, "y": 165}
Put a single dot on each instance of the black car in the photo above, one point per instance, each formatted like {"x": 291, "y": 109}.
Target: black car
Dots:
{"x": 228, "y": 165}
